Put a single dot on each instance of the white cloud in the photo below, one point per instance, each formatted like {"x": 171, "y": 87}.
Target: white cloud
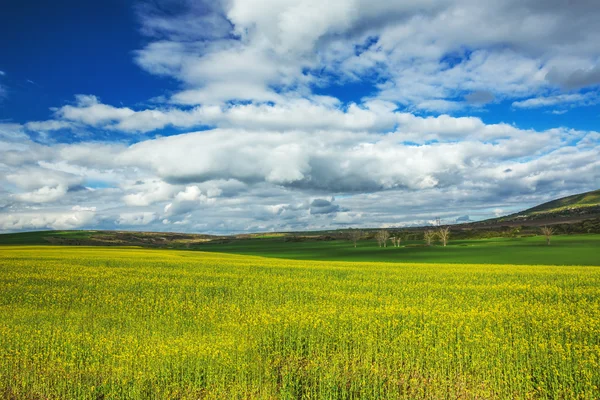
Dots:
{"x": 342, "y": 161}
{"x": 90, "y": 111}
{"x": 275, "y": 153}
{"x": 44, "y": 194}
{"x": 50, "y": 125}
{"x": 188, "y": 200}
{"x": 316, "y": 113}
{"x": 70, "y": 219}
{"x": 225, "y": 180}
{"x": 12, "y": 133}
{"x": 134, "y": 219}
{"x": 148, "y": 192}
{"x": 41, "y": 185}
{"x": 35, "y": 178}
{"x": 285, "y": 46}
{"x": 561, "y": 99}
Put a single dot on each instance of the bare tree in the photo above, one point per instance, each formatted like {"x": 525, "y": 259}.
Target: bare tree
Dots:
{"x": 546, "y": 231}
{"x": 393, "y": 239}
{"x": 398, "y": 241}
{"x": 378, "y": 238}
{"x": 382, "y": 237}
{"x": 355, "y": 235}
{"x": 444, "y": 235}
{"x": 429, "y": 235}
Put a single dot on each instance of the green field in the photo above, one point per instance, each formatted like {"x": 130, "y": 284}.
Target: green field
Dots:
{"x": 564, "y": 250}
{"x": 116, "y": 323}
{"x": 39, "y": 237}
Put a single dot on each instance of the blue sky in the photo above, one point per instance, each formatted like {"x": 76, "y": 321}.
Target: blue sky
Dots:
{"x": 262, "y": 115}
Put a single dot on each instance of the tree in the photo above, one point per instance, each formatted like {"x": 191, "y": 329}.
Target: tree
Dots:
{"x": 429, "y": 235}
{"x": 382, "y": 237}
{"x": 393, "y": 239}
{"x": 444, "y": 235}
{"x": 546, "y": 231}
{"x": 355, "y": 235}
{"x": 398, "y": 241}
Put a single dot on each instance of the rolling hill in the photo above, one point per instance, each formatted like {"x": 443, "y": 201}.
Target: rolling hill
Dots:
{"x": 573, "y": 208}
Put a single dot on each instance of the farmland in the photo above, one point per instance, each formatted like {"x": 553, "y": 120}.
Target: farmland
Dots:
{"x": 130, "y": 323}
{"x": 564, "y": 250}
{"x": 571, "y": 249}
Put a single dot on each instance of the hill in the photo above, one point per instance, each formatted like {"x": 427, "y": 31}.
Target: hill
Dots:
{"x": 570, "y": 209}
{"x": 581, "y": 202}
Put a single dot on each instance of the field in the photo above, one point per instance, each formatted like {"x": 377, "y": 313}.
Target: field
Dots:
{"x": 119, "y": 323}
{"x": 582, "y": 249}
{"x": 564, "y": 250}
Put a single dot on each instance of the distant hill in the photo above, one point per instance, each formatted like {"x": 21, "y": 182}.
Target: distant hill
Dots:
{"x": 573, "y": 208}
{"x": 577, "y": 203}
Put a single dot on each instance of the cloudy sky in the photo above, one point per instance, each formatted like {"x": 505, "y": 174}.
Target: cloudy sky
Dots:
{"x": 259, "y": 115}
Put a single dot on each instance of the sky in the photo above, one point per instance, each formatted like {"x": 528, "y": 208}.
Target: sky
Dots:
{"x": 232, "y": 116}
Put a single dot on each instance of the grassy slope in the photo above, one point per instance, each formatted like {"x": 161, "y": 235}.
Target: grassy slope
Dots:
{"x": 565, "y": 250}
{"x": 575, "y": 201}
{"x": 570, "y": 205}
{"x": 97, "y": 323}
{"x": 38, "y": 237}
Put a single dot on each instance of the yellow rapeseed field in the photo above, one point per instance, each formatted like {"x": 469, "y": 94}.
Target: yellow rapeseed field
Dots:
{"x": 109, "y": 323}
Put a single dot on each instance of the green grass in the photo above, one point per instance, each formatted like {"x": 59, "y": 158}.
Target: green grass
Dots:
{"x": 579, "y": 200}
{"x": 114, "y": 323}
{"x": 38, "y": 237}
{"x": 564, "y": 250}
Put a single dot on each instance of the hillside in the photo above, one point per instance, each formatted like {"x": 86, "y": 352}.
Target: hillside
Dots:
{"x": 582, "y": 200}
{"x": 568, "y": 209}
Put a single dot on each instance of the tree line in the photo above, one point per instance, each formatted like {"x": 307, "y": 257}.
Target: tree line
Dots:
{"x": 382, "y": 237}
{"x": 442, "y": 234}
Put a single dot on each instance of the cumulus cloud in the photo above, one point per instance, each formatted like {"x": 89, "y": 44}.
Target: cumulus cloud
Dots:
{"x": 314, "y": 113}
{"x": 272, "y": 60}
{"x": 182, "y": 23}
{"x": 44, "y": 194}
{"x": 561, "y": 99}
{"x": 148, "y": 192}
{"x": 322, "y": 206}
{"x": 191, "y": 198}
{"x": 259, "y": 48}
{"x": 90, "y": 111}
{"x": 12, "y": 133}
{"x": 262, "y": 143}
{"x": 236, "y": 180}
{"x": 135, "y": 219}
{"x": 50, "y": 125}
{"x": 342, "y": 161}
{"x": 42, "y": 185}
{"x": 71, "y": 219}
